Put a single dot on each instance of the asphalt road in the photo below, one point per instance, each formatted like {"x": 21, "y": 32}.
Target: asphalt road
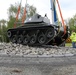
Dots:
{"x": 16, "y": 65}
{"x": 33, "y": 60}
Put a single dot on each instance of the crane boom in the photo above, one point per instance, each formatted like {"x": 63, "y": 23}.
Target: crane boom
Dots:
{"x": 54, "y": 14}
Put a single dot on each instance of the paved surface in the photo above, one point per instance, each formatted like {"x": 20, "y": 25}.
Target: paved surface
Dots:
{"x": 27, "y": 60}
{"x": 16, "y": 65}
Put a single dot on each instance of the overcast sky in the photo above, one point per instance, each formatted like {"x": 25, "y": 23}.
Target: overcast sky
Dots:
{"x": 68, "y": 7}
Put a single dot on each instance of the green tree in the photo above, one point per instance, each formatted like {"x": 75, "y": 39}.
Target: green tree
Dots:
{"x": 72, "y": 23}
{"x": 3, "y": 30}
{"x": 12, "y": 12}
{"x": 31, "y": 10}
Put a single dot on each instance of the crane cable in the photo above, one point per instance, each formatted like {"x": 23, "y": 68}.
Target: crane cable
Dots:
{"x": 62, "y": 18}
{"x": 18, "y": 11}
{"x": 24, "y": 14}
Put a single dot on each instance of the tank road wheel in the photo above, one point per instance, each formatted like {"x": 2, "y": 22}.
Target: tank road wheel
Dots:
{"x": 17, "y": 33}
{"x": 50, "y": 33}
{"x": 24, "y": 32}
{"x": 9, "y": 34}
{"x": 14, "y": 39}
{"x": 20, "y": 39}
{"x": 26, "y": 39}
{"x": 42, "y": 39}
{"x": 33, "y": 39}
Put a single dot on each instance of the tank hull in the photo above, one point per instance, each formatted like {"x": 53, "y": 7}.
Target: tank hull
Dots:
{"x": 37, "y": 35}
{"x": 37, "y": 31}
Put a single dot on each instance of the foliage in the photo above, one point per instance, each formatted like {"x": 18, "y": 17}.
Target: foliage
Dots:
{"x": 3, "y": 30}
{"x": 72, "y": 23}
{"x": 31, "y": 10}
{"x": 12, "y": 12}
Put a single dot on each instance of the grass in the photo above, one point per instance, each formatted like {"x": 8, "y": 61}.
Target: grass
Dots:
{"x": 68, "y": 44}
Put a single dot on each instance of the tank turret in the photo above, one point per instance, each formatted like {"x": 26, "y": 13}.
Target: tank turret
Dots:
{"x": 37, "y": 18}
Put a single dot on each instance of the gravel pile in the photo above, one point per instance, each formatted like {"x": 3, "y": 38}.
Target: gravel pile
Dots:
{"x": 17, "y": 49}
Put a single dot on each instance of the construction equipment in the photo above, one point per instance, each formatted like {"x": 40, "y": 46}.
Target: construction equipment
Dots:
{"x": 37, "y": 30}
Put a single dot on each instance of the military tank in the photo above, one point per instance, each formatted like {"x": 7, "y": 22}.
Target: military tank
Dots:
{"x": 37, "y": 31}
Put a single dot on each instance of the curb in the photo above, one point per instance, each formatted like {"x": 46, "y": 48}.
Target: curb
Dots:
{"x": 37, "y": 56}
